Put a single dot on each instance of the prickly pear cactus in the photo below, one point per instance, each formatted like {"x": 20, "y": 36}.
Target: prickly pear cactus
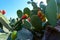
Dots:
{"x": 18, "y": 25}
{"x": 36, "y": 22}
{"x": 33, "y": 4}
{"x": 34, "y": 12}
{"x": 26, "y": 11}
{"x": 58, "y": 5}
{"x": 47, "y": 1}
{"x": 51, "y": 12}
{"x": 27, "y": 24}
{"x": 12, "y": 22}
{"x": 19, "y": 13}
{"x": 42, "y": 6}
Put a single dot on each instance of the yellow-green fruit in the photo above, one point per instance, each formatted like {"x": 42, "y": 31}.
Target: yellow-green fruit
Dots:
{"x": 58, "y": 16}
{"x": 14, "y": 35}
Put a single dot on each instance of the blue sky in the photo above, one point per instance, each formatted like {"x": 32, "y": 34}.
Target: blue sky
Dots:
{"x": 11, "y": 6}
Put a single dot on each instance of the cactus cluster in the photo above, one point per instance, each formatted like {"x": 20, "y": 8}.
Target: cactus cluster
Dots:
{"x": 35, "y": 18}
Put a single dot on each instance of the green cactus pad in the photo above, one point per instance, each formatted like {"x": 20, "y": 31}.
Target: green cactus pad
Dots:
{"x": 19, "y": 13}
{"x": 27, "y": 24}
{"x": 51, "y": 12}
{"x": 18, "y": 25}
{"x": 47, "y": 1}
{"x": 34, "y": 12}
{"x": 26, "y": 11}
{"x": 36, "y": 22}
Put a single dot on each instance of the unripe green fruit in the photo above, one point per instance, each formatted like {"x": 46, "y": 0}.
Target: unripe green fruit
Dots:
{"x": 14, "y": 35}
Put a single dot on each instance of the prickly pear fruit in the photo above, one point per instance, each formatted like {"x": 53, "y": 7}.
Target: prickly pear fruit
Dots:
{"x": 3, "y": 12}
{"x": 14, "y": 35}
{"x": 25, "y": 16}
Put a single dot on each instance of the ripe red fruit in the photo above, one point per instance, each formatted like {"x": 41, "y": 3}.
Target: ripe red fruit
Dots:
{"x": 24, "y": 17}
{"x": 3, "y": 12}
{"x": 40, "y": 14}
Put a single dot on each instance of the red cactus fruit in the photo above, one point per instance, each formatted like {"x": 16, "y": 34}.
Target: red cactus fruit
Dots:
{"x": 24, "y": 16}
{"x": 3, "y": 12}
{"x": 41, "y": 16}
